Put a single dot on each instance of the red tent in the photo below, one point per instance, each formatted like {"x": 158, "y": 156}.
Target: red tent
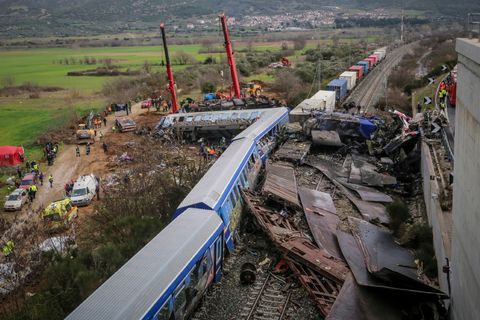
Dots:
{"x": 11, "y": 155}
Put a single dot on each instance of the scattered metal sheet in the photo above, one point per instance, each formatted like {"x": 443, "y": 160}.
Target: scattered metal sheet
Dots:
{"x": 361, "y": 303}
{"x": 293, "y": 151}
{"x": 316, "y": 201}
{"x": 355, "y": 173}
{"x": 321, "y": 217}
{"x": 281, "y": 183}
{"x": 385, "y": 259}
{"x": 371, "y": 211}
{"x": 372, "y": 178}
{"x": 327, "y": 166}
{"x": 326, "y": 138}
{"x": 366, "y": 193}
{"x": 353, "y": 253}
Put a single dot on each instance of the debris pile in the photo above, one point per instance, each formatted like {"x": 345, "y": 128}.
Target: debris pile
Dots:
{"x": 349, "y": 263}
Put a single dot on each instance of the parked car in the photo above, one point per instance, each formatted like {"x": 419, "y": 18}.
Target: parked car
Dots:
{"x": 84, "y": 190}
{"x": 146, "y": 104}
{"x": 16, "y": 200}
{"x": 59, "y": 214}
{"x": 28, "y": 180}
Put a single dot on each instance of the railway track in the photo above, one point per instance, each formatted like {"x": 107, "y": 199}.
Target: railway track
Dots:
{"x": 268, "y": 300}
{"x": 367, "y": 92}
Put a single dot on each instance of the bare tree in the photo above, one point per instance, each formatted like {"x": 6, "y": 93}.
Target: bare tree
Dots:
{"x": 299, "y": 43}
{"x": 183, "y": 58}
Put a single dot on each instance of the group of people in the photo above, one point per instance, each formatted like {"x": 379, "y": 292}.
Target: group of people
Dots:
{"x": 208, "y": 152}
{"x": 50, "y": 152}
{"x": 69, "y": 187}
{"x": 87, "y": 150}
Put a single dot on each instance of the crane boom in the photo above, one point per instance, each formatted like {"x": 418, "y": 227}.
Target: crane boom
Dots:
{"x": 231, "y": 59}
{"x": 171, "y": 81}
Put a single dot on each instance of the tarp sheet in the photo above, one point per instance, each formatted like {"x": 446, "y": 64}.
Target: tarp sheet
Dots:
{"x": 11, "y": 155}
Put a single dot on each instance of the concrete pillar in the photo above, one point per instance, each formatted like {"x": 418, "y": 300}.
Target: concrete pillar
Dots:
{"x": 466, "y": 191}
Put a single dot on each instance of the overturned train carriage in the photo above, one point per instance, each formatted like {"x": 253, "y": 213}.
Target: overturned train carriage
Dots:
{"x": 166, "y": 278}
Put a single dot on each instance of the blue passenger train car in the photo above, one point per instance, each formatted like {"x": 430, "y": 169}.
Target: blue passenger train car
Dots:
{"x": 167, "y": 278}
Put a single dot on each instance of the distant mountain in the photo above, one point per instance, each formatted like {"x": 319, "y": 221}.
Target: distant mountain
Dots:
{"x": 70, "y": 17}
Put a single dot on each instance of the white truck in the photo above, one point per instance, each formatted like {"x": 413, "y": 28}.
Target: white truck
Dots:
{"x": 84, "y": 190}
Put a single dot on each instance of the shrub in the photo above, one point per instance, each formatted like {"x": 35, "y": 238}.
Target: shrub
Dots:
{"x": 399, "y": 214}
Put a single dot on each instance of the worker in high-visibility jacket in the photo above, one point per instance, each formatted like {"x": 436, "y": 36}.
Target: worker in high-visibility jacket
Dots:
{"x": 7, "y": 249}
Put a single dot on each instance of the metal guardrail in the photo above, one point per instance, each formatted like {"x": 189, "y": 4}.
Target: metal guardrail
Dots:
{"x": 473, "y": 24}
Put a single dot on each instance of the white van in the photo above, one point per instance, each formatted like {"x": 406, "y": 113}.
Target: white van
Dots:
{"x": 84, "y": 190}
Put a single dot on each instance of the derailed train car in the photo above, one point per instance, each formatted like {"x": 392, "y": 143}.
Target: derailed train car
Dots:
{"x": 166, "y": 279}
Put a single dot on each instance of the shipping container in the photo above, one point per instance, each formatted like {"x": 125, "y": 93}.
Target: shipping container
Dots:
{"x": 304, "y": 110}
{"x": 351, "y": 77}
{"x": 383, "y": 51}
{"x": 365, "y": 65}
{"x": 375, "y": 58}
{"x": 371, "y": 62}
{"x": 328, "y": 97}
{"x": 380, "y": 54}
{"x": 358, "y": 70}
{"x": 340, "y": 87}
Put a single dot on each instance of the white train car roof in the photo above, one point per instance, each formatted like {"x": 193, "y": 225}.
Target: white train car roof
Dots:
{"x": 258, "y": 129}
{"x": 218, "y": 177}
{"x": 133, "y": 290}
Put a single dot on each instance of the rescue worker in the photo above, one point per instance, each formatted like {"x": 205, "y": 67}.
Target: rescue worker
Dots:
{"x": 50, "y": 179}
{"x": 7, "y": 249}
{"x": 444, "y": 93}
{"x": 77, "y": 151}
{"x": 105, "y": 147}
{"x": 87, "y": 148}
{"x": 30, "y": 194}
{"x": 104, "y": 121}
{"x": 97, "y": 187}
{"x": 34, "y": 190}
{"x": 19, "y": 172}
{"x": 419, "y": 107}
{"x": 35, "y": 168}
{"x": 114, "y": 129}
{"x": 40, "y": 177}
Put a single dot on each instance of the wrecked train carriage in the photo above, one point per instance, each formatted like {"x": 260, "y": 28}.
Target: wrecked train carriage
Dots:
{"x": 214, "y": 124}
{"x": 237, "y": 167}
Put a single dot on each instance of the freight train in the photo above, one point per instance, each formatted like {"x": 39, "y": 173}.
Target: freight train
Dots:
{"x": 338, "y": 89}
{"x": 166, "y": 279}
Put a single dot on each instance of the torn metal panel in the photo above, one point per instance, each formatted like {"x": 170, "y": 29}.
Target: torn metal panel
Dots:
{"x": 322, "y": 220}
{"x": 372, "y": 178}
{"x": 355, "y": 173}
{"x": 293, "y": 151}
{"x": 353, "y": 253}
{"x": 371, "y": 211}
{"x": 366, "y": 193}
{"x": 326, "y": 138}
{"x": 329, "y": 167}
{"x": 281, "y": 183}
{"x": 322, "y": 290}
{"x": 316, "y": 201}
{"x": 385, "y": 259}
{"x": 362, "y": 303}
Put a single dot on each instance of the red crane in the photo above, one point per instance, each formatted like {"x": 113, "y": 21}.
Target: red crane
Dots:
{"x": 171, "y": 82}
{"x": 231, "y": 59}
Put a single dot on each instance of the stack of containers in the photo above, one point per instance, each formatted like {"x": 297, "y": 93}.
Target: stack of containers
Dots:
{"x": 340, "y": 87}
{"x": 351, "y": 77}
{"x": 358, "y": 70}
{"x": 382, "y": 52}
{"x": 365, "y": 66}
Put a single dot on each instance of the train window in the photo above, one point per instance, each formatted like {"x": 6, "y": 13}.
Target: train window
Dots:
{"x": 180, "y": 119}
{"x": 180, "y": 300}
{"x": 194, "y": 276}
{"x": 219, "y": 249}
{"x": 164, "y": 313}
{"x": 237, "y": 193}
{"x": 232, "y": 199}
